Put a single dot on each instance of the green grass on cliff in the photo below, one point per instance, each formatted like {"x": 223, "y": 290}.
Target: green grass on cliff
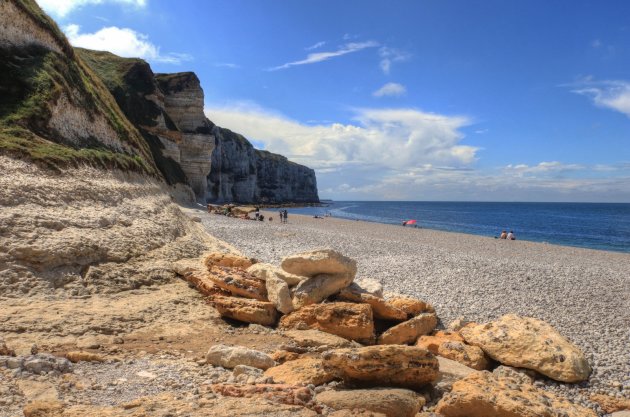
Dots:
{"x": 33, "y": 79}
{"x": 21, "y": 143}
{"x": 129, "y": 80}
{"x": 42, "y": 20}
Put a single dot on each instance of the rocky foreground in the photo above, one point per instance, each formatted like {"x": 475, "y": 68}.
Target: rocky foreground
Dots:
{"x": 305, "y": 337}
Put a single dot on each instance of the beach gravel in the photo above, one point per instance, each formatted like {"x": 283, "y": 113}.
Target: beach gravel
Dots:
{"x": 583, "y": 293}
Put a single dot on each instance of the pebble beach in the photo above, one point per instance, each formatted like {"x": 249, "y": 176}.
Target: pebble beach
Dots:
{"x": 584, "y": 294}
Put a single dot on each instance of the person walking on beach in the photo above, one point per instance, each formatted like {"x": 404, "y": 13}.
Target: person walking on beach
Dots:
{"x": 511, "y": 236}
{"x": 286, "y": 214}
{"x": 503, "y": 235}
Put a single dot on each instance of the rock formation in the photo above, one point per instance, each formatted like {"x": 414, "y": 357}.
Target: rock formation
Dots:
{"x": 525, "y": 342}
{"x": 240, "y": 173}
{"x": 384, "y": 366}
{"x": 219, "y": 165}
{"x": 452, "y": 346}
{"x": 232, "y": 356}
{"x": 392, "y": 402}
{"x": 483, "y": 394}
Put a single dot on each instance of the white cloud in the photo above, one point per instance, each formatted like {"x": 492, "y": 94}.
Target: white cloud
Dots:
{"x": 226, "y": 65}
{"x": 324, "y": 56}
{"x": 390, "y": 89}
{"x": 391, "y": 55}
{"x": 124, "y": 42}
{"x": 391, "y": 139}
{"x": 544, "y": 168}
{"x": 407, "y": 154}
{"x": 430, "y": 182}
{"x": 614, "y": 95}
{"x": 61, "y": 8}
{"x": 315, "y": 46}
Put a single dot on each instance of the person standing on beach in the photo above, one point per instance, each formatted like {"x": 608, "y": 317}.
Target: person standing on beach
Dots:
{"x": 286, "y": 214}
{"x": 257, "y": 213}
{"x": 281, "y": 215}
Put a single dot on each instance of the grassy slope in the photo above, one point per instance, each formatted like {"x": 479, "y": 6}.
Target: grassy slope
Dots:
{"x": 33, "y": 79}
{"x": 130, "y": 80}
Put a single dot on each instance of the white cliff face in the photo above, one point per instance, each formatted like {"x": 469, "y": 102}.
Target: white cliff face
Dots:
{"x": 243, "y": 174}
{"x": 183, "y": 102}
{"x": 218, "y": 164}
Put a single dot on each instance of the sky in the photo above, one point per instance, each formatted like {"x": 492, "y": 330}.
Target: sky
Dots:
{"x": 410, "y": 100}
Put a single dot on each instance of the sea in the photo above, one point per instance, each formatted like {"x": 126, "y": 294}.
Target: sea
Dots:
{"x": 587, "y": 225}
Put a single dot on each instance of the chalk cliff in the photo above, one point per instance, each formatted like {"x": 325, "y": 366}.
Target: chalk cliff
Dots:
{"x": 167, "y": 109}
{"x": 218, "y": 164}
{"x": 244, "y": 174}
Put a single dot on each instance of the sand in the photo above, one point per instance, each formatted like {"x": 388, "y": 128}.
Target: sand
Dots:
{"x": 584, "y": 293}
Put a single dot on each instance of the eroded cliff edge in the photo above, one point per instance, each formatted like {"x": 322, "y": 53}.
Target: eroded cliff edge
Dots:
{"x": 218, "y": 164}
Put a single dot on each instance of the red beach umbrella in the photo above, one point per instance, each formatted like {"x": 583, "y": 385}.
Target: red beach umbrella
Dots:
{"x": 410, "y": 222}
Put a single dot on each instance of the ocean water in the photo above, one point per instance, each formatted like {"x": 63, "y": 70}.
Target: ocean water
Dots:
{"x": 586, "y": 225}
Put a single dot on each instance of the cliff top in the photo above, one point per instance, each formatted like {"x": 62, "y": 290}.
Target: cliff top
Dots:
{"x": 178, "y": 81}
{"x": 45, "y": 95}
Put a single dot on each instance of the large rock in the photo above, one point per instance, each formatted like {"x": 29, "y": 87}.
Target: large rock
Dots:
{"x": 381, "y": 308}
{"x": 451, "y": 372}
{"x": 392, "y": 402}
{"x": 318, "y": 288}
{"x": 246, "y": 310}
{"x": 452, "y": 346}
{"x": 322, "y": 261}
{"x": 483, "y": 394}
{"x": 263, "y": 270}
{"x": 278, "y": 293}
{"x": 391, "y": 365}
{"x": 200, "y": 279}
{"x": 303, "y": 371}
{"x": 231, "y": 356}
{"x": 410, "y": 330}
{"x": 411, "y": 306}
{"x": 238, "y": 282}
{"x": 525, "y": 342}
{"x": 348, "y": 320}
{"x": 228, "y": 260}
{"x": 369, "y": 286}
{"x": 315, "y": 339}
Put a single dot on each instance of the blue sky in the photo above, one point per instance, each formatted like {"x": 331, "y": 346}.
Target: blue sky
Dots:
{"x": 407, "y": 100}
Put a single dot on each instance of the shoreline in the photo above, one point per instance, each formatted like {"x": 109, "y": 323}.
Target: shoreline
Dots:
{"x": 531, "y": 227}
{"x": 305, "y": 218}
{"x": 583, "y": 293}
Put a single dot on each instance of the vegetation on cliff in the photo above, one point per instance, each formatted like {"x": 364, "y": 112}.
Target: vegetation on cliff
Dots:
{"x": 35, "y": 79}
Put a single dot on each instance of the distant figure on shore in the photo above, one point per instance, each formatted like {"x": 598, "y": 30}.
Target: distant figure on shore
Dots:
{"x": 270, "y": 218}
{"x": 260, "y": 217}
{"x": 281, "y": 215}
{"x": 511, "y": 236}
{"x": 257, "y": 213}
{"x": 286, "y": 215}
{"x": 503, "y": 235}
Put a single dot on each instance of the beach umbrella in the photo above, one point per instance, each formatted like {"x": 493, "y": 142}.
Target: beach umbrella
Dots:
{"x": 410, "y": 222}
